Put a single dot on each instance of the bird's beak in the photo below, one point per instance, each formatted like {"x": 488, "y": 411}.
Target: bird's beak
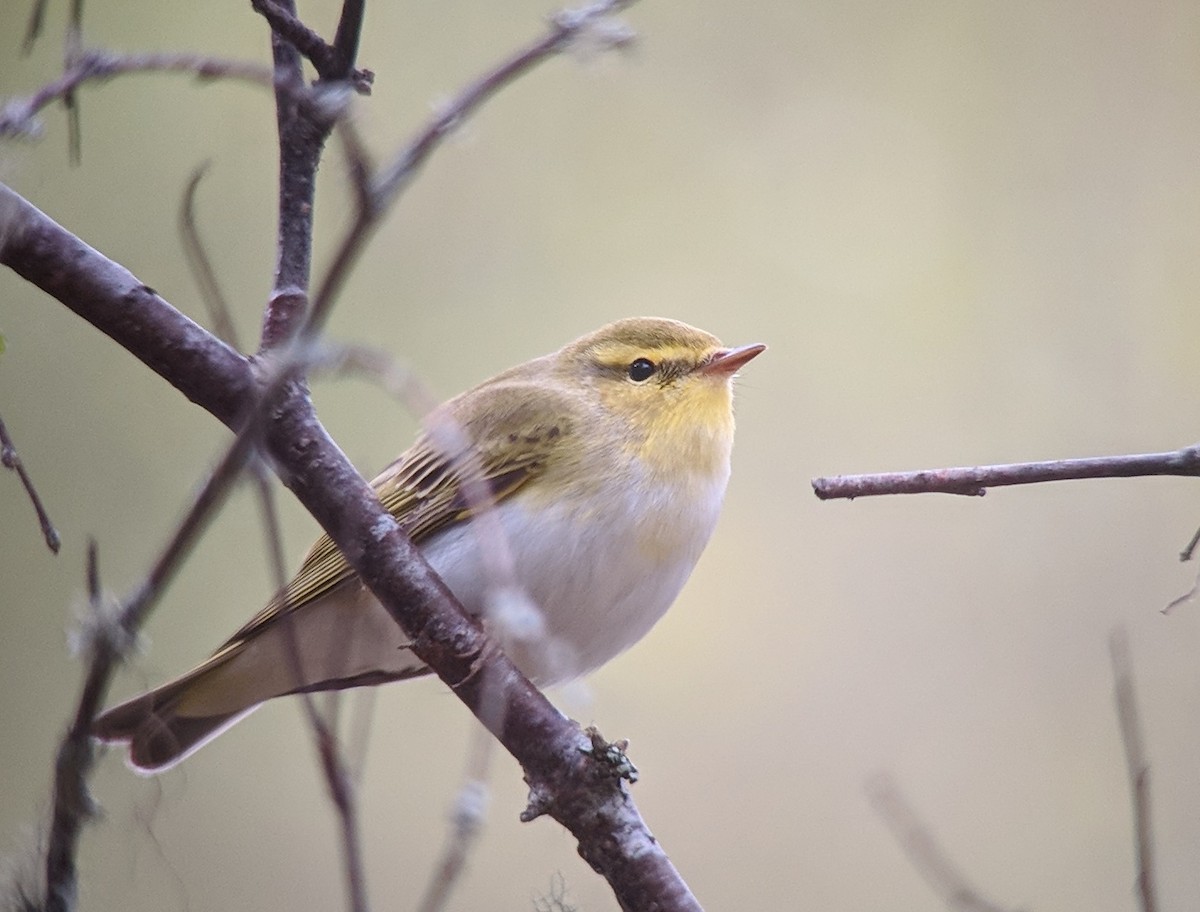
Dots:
{"x": 728, "y": 361}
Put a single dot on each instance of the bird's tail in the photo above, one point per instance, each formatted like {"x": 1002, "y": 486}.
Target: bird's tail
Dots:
{"x": 159, "y": 736}
{"x": 331, "y": 644}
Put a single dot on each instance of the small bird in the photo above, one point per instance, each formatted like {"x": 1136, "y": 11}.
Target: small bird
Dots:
{"x": 603, "y": 465}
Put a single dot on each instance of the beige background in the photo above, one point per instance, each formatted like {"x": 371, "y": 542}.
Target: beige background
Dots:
{"x": 968, "y": 232}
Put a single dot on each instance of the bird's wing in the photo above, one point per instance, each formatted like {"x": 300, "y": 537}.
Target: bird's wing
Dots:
{"x": 516, "y": 437}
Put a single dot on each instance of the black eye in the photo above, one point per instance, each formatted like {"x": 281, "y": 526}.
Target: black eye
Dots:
{"x": 641, "y": 369}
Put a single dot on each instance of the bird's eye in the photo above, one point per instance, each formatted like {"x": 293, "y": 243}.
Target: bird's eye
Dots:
{"x": 642, "y": 369}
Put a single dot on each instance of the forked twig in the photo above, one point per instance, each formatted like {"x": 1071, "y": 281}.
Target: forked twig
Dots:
{"x": 332, "y": 61}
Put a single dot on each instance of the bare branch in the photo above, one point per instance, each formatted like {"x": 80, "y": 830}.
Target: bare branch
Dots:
{"x": 1185, "y": 598}
{"x": 975, "y": 480}
{"x": 301, "y": 139}
{"x": 33, "y": 29}
{"x": 923, "y": 852}
{"x": 332, "y": 62}
{"x": 10, "y": 460}
{"x": 1189, "y": 550}
{"x": 19, "y": 116}
{"x": 1138, "y": 768}
{"x": 345, "y": 44}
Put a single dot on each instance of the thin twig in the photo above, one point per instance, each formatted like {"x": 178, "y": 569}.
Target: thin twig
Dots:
{"x": 19, "y": 116}
{"x": 345, "y": 44}
{"x": 1189, "y": 549}
{"x": 72, "y": 51}
{"x": 10, "y": 460}
{"x": 201, "y": 266}
{"x": 1183, "y": 599}
{"x": 566, "y": 28}
{"x": 975, "y": 480}
{"x": 33, "y": 30}
{"x": 1137, "y": 767}
{"x": 923, "y": 852}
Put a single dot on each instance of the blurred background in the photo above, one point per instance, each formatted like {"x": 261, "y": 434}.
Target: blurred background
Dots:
{"x": 968, "y": 233}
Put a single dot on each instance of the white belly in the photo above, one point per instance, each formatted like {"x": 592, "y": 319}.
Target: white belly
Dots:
{"x": 600, "y": 580}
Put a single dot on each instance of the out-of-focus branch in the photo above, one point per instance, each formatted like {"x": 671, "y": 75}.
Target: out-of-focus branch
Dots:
{"x": 33, "y": 28}
{"x": 975, "y": 480}
{"x": 923, "y": 852}
{"x": 1138, "y": 768}
{"x": 201, "y": 266}
{"x": 10, "y": 460}
{"x": 469, "y": 812}
{"x": 19, "y": 116}
{"x": 593, "y": 21}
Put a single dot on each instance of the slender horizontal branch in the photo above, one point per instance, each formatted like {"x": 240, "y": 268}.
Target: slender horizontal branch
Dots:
{"x": 975, "y": 480}
{"x": 18, "y": 116}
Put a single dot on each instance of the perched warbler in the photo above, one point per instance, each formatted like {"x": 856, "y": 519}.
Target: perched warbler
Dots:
{"x": 604, "y": 465}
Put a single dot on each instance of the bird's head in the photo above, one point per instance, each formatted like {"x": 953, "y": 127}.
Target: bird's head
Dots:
{"x": 668, "y": 383}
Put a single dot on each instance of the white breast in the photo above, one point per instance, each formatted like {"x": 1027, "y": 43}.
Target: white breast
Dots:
{"x": 601, "y": 578}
